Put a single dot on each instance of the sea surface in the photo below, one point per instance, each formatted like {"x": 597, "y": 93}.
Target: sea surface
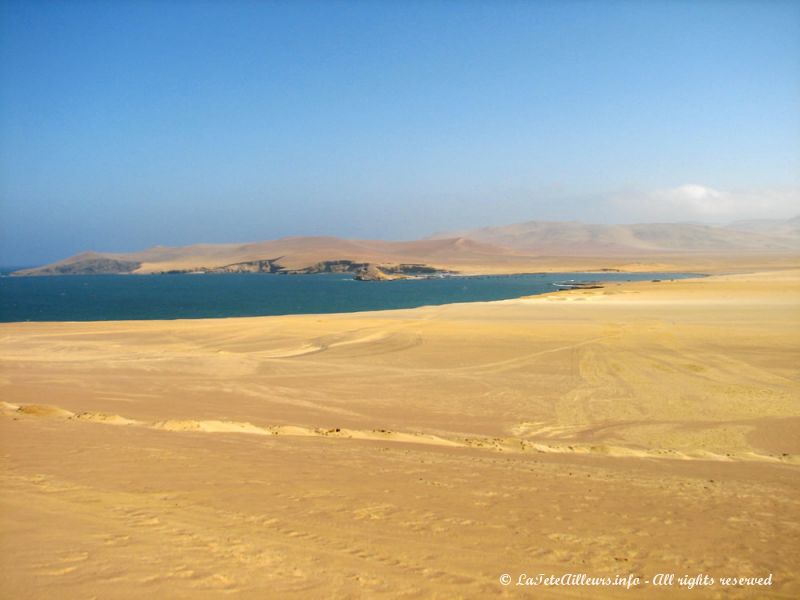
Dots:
{"x": 124, "y": 297}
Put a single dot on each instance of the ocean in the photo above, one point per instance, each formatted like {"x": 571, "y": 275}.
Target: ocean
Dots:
{"x": 126, "y": 297}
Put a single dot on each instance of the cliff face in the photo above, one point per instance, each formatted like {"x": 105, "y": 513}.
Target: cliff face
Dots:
{"x": 253, "y": 266}
{"x": 330, "y": 266}
{"x": 366, "y": 271}
{"x": 371, "y": 272}
{"x": 363, "y": 271}
{"x": 91, "y": 264}
{"x": 87, "y": 264}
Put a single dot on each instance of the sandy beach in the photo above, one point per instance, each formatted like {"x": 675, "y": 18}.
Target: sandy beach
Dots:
{"x": 639, "y": 429}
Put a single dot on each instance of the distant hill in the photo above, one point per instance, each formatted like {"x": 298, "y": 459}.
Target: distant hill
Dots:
{"x": 789, "y": 229}
{"x": 575, "y": 238}
{"x": 523, "y": 247}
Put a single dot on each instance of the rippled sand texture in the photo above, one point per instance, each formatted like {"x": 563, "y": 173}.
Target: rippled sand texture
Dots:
{"x": 640, "y": 428}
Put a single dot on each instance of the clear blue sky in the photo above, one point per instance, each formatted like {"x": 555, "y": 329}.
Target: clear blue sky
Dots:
{"x": 129, "y": 124}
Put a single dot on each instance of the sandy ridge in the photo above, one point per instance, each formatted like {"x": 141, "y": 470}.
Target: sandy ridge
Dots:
{"x": 497, "y": 444}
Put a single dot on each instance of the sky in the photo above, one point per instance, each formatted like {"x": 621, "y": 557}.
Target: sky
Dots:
{"x": 130, "y": 124}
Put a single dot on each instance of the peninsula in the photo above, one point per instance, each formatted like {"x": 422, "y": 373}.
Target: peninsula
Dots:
{"x": 534, "y": 246}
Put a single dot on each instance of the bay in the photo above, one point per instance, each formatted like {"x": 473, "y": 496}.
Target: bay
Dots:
{"x": 135, "y": 297}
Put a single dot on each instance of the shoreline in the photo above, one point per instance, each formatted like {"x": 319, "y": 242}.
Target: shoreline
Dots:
{"x": 466, "y": 276}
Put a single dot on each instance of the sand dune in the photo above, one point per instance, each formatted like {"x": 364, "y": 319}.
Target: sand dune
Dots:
{"x": 639, "y": 428}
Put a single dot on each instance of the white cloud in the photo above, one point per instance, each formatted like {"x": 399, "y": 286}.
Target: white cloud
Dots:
{"x": 693, "y": 201}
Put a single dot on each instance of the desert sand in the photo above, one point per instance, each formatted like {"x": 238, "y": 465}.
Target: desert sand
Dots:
{"x": 637, "y": 429}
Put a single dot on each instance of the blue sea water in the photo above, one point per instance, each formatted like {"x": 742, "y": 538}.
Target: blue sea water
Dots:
{"x": 124, "y": 297}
